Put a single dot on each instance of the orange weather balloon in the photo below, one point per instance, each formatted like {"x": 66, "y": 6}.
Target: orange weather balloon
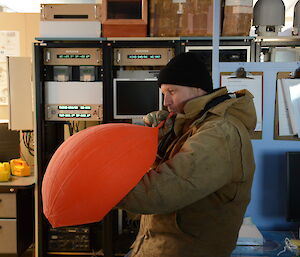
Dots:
{"x": 94, "y": 169}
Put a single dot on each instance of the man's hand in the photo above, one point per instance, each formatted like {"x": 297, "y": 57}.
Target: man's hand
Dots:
{"x": 152, "y": 119}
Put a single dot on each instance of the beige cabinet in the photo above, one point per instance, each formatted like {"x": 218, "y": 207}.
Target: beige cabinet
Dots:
{"x": 8, "y": 236}
{"x": 16, "y": 220}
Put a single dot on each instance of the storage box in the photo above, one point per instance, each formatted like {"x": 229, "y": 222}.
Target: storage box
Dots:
{"x": 70, "y": 20}
{"x": 181, "y": 18}
{"x": 124, "y": 18}
{"x": 237, "y": 17}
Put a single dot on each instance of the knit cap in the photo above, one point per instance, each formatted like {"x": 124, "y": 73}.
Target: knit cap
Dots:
{"x": 186, "y": 69}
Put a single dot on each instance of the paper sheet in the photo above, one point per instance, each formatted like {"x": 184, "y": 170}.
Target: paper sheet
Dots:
{"x": 286, "y": 84}
{"x": 254, "y": 86}
{"x": 295, "y": 99}
{"x": 3, "y": 84}
{"x": 285, "y": 125}
{"x": 249, "y": 234}
{"x": 9, "y": 46}
{"x": 289, "y": 106}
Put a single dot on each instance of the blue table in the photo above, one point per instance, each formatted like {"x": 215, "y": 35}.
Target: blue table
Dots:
{"x": 274, "y": 243}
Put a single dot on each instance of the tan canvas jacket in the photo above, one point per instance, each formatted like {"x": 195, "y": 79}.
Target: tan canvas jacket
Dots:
{"x": 194, "y": 202}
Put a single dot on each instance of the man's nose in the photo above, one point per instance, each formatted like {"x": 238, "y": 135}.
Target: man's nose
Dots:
{"x": 167, "y": 100}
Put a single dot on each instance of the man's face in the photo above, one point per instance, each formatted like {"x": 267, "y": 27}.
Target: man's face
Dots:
{"x": 175, "y": 97}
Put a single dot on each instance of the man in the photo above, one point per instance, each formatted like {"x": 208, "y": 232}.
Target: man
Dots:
{"x": 194, "y": 198}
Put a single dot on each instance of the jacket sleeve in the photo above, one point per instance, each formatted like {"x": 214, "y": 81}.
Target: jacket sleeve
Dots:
{"x": 201, "y": 167}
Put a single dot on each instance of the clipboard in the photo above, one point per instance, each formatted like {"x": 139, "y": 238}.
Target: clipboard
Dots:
{"x": 285, "y": 127}
{"x": 253, "y": 82}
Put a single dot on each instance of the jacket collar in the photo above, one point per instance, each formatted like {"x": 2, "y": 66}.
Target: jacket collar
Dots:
{"x": 241, "y": 107}
{"x": 193, "y": 107}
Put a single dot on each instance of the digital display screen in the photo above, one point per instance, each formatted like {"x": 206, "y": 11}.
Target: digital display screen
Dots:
{"x": 73, "y": 56}
{"x": 144, "y": 56}
{"x": 74, "y": 107}
{"x": 74, "y": 115}
{"x": 85, "y": 107}
{"x": 136, "y": 98}
{"x": 292, "y": 184}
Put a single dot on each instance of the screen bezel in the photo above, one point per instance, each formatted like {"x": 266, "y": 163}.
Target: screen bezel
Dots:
{"x": 125, "y": 116}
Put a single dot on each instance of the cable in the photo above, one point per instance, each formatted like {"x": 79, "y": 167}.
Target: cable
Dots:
{"x": 77, "y": 125}
{"x": 71, "y": 131}
{"x": 289, "y": 246}
{"x": 27, "y": 138}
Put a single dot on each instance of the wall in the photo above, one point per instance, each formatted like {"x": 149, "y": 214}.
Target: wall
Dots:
{"x": 268, "y": 205}
{"x": 28, "y": 26}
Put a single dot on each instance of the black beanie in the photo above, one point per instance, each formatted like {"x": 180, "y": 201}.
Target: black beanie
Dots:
{"x": 187, "y": 70}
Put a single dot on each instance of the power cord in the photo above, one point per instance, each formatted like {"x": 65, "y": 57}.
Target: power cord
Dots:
{"x": 27, "y": 137}
{"x": 290, "y": 246}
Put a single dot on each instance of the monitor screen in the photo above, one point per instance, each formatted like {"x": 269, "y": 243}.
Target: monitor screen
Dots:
{"x": 226, "y": 54}
{"x": 9, "y": 143}
{"x": 293, "y": 185}
{"x": 135, "y": 98}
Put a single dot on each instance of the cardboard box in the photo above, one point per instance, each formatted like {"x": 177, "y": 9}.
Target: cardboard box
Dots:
{"x": 237, "y": 18}
{"x": 124, "y": 18}
{"x": 185, "y": 18}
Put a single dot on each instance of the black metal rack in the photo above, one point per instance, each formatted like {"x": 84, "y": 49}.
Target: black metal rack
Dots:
{"x": 50, "y": 134}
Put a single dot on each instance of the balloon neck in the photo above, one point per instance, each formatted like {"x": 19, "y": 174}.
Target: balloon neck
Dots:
{"x": 162, "y": 123}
